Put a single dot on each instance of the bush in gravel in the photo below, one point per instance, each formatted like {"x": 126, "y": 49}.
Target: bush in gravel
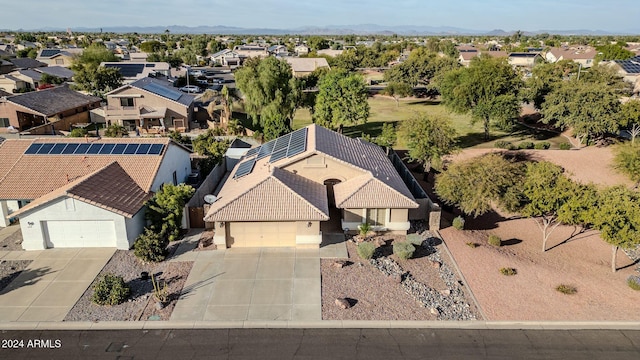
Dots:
{"x": 508, "y": 271}
{"x": 472, "y": 244}
{"x": 364, "y": 229}
{"x": 565, "y": 146}
{"x": 634, "y": 282}
{"x": 502, "y": 144}
{"x": 151, "y": 246}
{"x": 566, "y": 289}
{"x": 458, "y": 223}
{"x": 366, "y": 250}
{"x": 110, "y": 290}
{"x": 542, "y": 145}
{"x": 525, "y": 145}
{"x": 403, "y": 249}
{"x": 415, "y": 239}
{"x": 494, "y": 240}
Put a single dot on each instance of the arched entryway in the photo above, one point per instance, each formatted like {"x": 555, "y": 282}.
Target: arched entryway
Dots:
{"x": 334, "y": 225}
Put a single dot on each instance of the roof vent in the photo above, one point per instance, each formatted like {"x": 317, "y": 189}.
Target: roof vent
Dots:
{"x": 210, "y": 199}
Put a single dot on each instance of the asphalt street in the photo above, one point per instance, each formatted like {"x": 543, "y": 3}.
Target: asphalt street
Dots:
{"x": 279, "y": 344}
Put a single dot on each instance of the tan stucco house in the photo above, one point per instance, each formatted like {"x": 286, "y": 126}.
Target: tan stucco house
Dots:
{"x": 281, "y": 193}
{"x": 150, "y": 105}
{"x": 305, "y": 66}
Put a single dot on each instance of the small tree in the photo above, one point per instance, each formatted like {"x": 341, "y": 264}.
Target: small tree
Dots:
{"x": 627, "y": 160}
{"x": 208, "y": 145}
{"x": 428, "y": 138}
{"x": 151, "y": 246}
{"x": 110, "y": 290}
{"x": 78, "y": 132}
{"x": 164, "y": 209}
{"x": 397, "y": 90}
{"x": 341, "y": 100}
{"x": 115, "y": 131}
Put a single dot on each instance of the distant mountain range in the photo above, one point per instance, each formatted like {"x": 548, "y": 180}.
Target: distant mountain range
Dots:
{"x": 363, "y": 29}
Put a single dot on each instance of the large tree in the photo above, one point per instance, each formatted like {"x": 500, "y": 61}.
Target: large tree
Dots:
{"x": 590, "y": 109}
{"x": 477, "y": 184}
{"x": 341, "y": 100}
{"x": 397, "y": 90}
{"x": 428, "y": 138}
{"x": 545, "y": 78}
{"x": 630, "y": 118}
{"x": 270, "y": 94}
{"x": 421, "y": 67}
{"x": 617, "y": 216}
{"x": 488, "y": 89}
{"x": 627, "y": 160}
{"x": 90, "y": 77}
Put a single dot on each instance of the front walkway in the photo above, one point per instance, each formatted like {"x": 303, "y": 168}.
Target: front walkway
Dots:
{"x": 52, "y": 283}
{"x": 262, "y": 284}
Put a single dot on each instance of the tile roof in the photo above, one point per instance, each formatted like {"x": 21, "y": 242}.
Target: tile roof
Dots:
{"x": 52, "y": 101}
{"x": 27, "y": 177}
{"x": 59, "y": 71}
{"x": 306, "y": 64}
{"x": 30, "y": 74}
{"x": 110, "y": 188}
{"x": 184, "y": 99}
{"x": 27, "y": 63}
{"x": 281, "y": 196}
{"x": 271, "y": 193}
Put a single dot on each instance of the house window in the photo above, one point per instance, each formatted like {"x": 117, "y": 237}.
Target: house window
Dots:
{"x": 4, "y": 122}
{"x": 175, "y": 178}
{"x": 126, "y": 101}
{"x": 376, "y": 217}
{"x": 59, "y": 61}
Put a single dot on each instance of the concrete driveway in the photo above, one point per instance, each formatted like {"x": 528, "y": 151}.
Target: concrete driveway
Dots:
{"x": 52, "y": 283}
{"x": 240, "y": 284}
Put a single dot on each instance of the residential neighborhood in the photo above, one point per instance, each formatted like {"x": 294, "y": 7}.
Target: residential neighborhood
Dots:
{"x": 319, "y": 179}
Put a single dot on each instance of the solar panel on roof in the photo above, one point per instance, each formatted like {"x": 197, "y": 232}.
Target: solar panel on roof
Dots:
{"x": 118, "y": 149}
{"x": 282, "y": 142}
{"x": 127, "y": 70}
{"x": 143, "y": 149}
{"x": 156, "y": 149}
{"x": 162, "y": 91}
{"x": 244, "y": 168}
{"x": 45, "y": 149}
{"x": 278, "y": 155}
{"x": 298, "y": 142}
{"x": 150, "y": 65}
{"x": 57, "y": 149}
{"x": 33, "y": 149}
{"x": 82, "y": 149}
{"x": 252, "y": 151}
{"x": 266, "y": 150}
{"x": 70, "y": 149}
{"x": 49, "y": 52}
{"x": 94, "y": 149}
{"x": 106, "y": 149}
{"x": 131, "y": 149}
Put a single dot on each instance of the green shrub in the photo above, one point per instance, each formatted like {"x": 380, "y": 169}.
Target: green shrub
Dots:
{"x": 78, "y": 132}
{"x": 151, "y": 246}
{"x": 566, "y": 289}
{"x": 495, "y": 240}
{"x": 525, "y": 145}
{"x": 542, "y": 145}
{"x": 415, "y": 239}
{"x": 565, "y": 146}
{"x": 403, "y": 249}
{"x": 508, "y": 271}
{"x": 366, "y": 250}
{"x": 502, "y": 144}
{"x": 458, "y": 223}
{"x": 364, "y": 228}
{"x": 110, "y": 290}
{"x": 634, "y": 282}
{"x": 512, "y": 147}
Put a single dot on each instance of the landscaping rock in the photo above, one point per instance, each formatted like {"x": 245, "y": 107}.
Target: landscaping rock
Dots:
{"x": 343, "y": 303}
{"x": 434, "y": 311}
{"x": 380, "y": 242}
{"x": 436, "y": 264}
{"x": 340, "y": 264}
{"x": 446, "y": 292}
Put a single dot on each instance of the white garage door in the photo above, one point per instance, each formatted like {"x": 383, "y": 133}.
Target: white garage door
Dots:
{"x": 262, "y": 234}
{"x": 91, "y": 233}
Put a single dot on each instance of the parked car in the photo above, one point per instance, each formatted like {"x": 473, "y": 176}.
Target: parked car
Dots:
{"x": 190, "y": 89}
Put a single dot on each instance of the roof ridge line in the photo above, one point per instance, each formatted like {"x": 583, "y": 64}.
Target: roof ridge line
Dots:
{"x": 295, "y": 193}
{"x": 242, "y": 194}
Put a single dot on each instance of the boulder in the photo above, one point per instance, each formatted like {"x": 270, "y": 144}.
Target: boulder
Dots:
{"x": 343, "y": 303}
{"x": 445, "y": 292}
{"x": 436, "y": 264}
{"x": 434, "y": 311}
{"x": 340, "y": 264}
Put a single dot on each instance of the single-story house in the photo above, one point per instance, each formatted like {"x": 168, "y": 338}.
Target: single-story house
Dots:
{"x": 70, "y": 192}
{"x": 524, "y": 59}
{"x": 579, "y": 54}
{"x": 149, "y": 104}
{"x": 46, "y": 111}
{"x": 59, "y": 57}
{"x": 13, "y": 84}
{"x": 305, "y": 66}
{"x": 280, "y": 193}
{"x": 133, "y": 71}
{"x": 27, "y": 63}
{"x": 302, "y": 49}
{"x": 629, "y": 69}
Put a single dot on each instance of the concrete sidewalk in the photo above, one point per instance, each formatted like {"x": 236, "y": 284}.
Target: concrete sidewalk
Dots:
{"x": 52, "y": 283}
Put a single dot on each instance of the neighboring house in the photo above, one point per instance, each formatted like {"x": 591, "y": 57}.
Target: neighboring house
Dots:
{"x": 251, "y": 51}
{"x": 227, "y": 57}
{"x": 524, "y": 59}
{"x": 46, "y": 111}
{"x": 305, "y": 66}
{"x": 630, "y": 71}
{"x": 12, "y": 84}
{"x": 70, "y": 192}
{"x": 7, "y": 48}
{"x": 281, "y": 193}
{"x": 581, "y": 55}
{"x": 150, "y": 105}
{"x": 134, "y": 71}
{"x": 330, "y": 52}
{"x": 138, "y": 56}
{"x": 27, "y": 63}
{"x": 278, "y": 50}
{"x": 31, "y": 77}
{"x": 466, "y": 55}
{"x": 301, "y": 49}
{"x": 57, "y": 71}
{"x": 5, "y": 66}
{"x": 59, "y": 57}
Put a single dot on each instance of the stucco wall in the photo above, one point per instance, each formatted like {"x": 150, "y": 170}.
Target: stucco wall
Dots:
{"x": 176, "y": 159}
{"x": 319, "y": 168}
{"x": 135, "y": 226}
{"x": 174, "y": 109}
{"x": 31, "y": 222}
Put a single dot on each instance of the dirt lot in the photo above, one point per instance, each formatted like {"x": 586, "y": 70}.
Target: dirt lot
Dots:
{"x": 582, "y": 261}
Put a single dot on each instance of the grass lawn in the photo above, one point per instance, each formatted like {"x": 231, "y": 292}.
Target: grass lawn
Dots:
{"x": 384, "y": 109}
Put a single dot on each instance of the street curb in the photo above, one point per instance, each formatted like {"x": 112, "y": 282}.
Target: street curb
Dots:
{"x": 328, "y": 324}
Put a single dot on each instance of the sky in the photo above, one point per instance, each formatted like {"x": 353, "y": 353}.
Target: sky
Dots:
{"x": 526, "y": 15}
